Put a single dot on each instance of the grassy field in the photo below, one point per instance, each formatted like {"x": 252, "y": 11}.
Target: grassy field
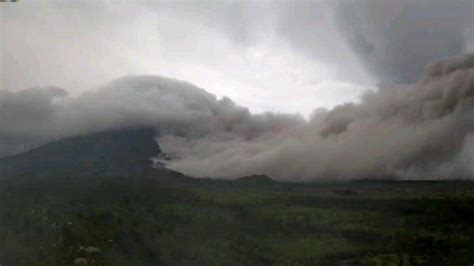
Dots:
{"x": 143, "y": 222}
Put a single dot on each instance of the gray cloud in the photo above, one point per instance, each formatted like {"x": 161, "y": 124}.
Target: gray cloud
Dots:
{"x": 32, "y": 117}
{"x": 224, "y": 47}
{"x": 414, "y": 131}
{"x": 395, "y": 39}
{"x": 339, "y": 41}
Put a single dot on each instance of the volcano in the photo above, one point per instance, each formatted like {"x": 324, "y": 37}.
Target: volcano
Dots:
{"x": 125, "y": 152}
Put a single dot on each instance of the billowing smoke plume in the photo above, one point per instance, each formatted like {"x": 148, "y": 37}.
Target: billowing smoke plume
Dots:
{"x": 421, "y": 131}
{"x": 34, "y": 116}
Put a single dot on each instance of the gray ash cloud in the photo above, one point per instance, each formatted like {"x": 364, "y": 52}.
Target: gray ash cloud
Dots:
{"x": 422, "y": 131}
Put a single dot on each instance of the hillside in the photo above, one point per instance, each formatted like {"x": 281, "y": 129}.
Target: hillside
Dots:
{"x": 255, "y": 180}
{"x": 119, "y": 153}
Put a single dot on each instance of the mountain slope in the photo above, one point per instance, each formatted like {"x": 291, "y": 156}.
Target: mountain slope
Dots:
{"x": 121, "y": 152}
{"x": 255, "y": 180}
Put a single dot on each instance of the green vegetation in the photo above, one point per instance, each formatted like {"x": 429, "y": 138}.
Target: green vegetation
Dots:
{"x": 126, "y": 221}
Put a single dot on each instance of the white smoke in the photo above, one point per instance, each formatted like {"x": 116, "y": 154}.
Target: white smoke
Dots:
{"x": 420, "y": 131}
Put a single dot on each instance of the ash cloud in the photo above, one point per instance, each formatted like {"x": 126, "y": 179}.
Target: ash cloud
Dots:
{"x": 420, "y": 131}
{"x": 395, "y": 39}
{"x": 34, "y": 116}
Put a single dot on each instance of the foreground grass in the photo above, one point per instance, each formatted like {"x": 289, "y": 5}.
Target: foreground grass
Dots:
{"x": 143, "y": 222}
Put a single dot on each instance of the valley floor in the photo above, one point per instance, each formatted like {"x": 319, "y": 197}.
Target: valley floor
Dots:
{"x": 144, "y": 222}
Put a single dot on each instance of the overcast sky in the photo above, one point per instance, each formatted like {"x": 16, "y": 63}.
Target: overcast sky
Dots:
{"x": 267, "y": 55}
